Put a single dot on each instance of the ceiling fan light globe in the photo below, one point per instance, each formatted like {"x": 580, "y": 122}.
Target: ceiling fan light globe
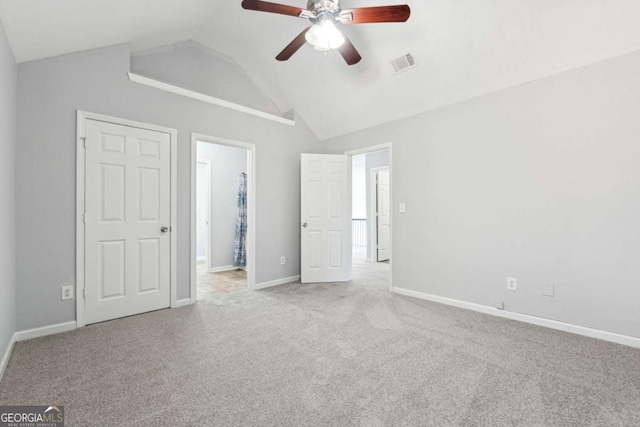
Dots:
{"x": 325, "y": 36}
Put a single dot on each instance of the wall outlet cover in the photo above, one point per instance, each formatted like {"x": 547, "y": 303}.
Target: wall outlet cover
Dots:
{"x": 548, "y": 289}
{"x": 512, "y": 284}
{"x": 67, "y": 293}
{"x": 283, "y": 260}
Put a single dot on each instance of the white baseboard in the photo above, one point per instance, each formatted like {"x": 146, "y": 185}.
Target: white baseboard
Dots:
{"x": 45, "y": 330}
{"x": 223, "y": 268}
{"x": 183, "y": 302}
{"x": 547, "y": 323}
{"x": 7, "y": 356}
{"x": 276, "y": 282}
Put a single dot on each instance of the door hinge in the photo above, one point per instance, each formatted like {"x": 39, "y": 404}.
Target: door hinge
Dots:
{"x": 84, "y": 218}
{"x": 84, "y": 293}
{"x": 84, "y": 141}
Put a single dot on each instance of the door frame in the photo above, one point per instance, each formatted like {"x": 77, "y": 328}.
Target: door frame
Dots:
{"x": 373, "y": 204}
{"x": 367, "y": 150}
{"x": 207, "y": 253}
{"x": 251, "y": 208}
{"x": 81, "y": 118}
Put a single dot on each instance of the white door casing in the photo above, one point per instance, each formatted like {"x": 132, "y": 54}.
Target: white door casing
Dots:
{"x": 383, "y": 215}
{"x": 325, "y": 219}
{"x": 127, "y": 204}
{"x": 251, "y": 208}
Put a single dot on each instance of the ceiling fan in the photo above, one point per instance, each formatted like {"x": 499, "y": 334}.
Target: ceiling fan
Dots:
{"x": 324, "y": 15}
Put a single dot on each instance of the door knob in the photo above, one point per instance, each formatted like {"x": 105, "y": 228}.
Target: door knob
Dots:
{"x": 304, "y": 225}
{"x": 164, "y": 229}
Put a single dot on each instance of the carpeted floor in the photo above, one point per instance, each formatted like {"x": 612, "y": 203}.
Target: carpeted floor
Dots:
{"x": 331, "y": 354}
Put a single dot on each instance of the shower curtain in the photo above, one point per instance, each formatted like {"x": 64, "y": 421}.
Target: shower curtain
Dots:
{"x": 240, "y": 253}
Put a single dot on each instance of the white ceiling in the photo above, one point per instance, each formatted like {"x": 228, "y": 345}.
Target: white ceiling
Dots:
{"x": 464, "y": 48}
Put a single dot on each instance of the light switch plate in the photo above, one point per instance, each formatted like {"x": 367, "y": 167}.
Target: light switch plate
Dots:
{"x": 549, "y": 289}
{"x": 403, "y": 208}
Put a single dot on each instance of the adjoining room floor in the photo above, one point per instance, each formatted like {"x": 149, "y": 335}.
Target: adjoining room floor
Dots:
{"x": 369, "y": 272}
{"x": 327, "y": 354}
{"x": 224, "y": 282}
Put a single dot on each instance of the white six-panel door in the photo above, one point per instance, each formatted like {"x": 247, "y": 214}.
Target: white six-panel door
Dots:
{"x": 127, "y": 221}
{"x": 383, "y": 216}
{"x": 325, "y": 219}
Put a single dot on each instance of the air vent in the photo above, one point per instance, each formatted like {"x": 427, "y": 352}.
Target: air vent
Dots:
{"x": 405, "y": 62}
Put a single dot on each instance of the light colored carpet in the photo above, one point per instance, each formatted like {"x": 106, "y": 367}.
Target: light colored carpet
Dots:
{"x": 331, "y": 354}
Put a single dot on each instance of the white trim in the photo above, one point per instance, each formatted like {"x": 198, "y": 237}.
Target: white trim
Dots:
{"x": 369, "y": 150}
{"x": 183, "y": 302}
{"x": 177, "y": 90}
{"x": 534, "y": 320}
{"x": 373, "y": 206}
{"x": 276, "y": 282}
{"x": 7, "y": 356}
{"x": 251, "y": 208}
{"x": 82, "y": 116}
{"x": 44, "y": 331}
{"x": 374, "y": 149}
{"x": 223, "y": 268}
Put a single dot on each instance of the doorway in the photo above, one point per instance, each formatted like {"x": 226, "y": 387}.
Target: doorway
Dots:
{"x": 222, "y": 217}
{"x": 336, "y": 233}
{"x": 371, "y": 215}
{"x": 126, "y": 216}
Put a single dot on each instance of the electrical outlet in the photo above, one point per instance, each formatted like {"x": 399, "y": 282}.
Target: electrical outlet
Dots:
{"x": 512, "y": 284}
{"x": 283, "y": 260}
{"x": 67, "y": 293}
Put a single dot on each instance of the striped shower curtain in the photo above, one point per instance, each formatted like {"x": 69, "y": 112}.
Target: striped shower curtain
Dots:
{"x": 240, "y": 253}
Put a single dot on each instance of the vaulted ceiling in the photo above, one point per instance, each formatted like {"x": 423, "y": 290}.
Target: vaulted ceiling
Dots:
{"x": 464, "y": 48}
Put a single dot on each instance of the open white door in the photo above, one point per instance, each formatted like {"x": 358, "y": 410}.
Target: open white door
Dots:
{"x": 383, "y": 216}
{"x": 325, "y": 219}
{"x": 127, "y": 221}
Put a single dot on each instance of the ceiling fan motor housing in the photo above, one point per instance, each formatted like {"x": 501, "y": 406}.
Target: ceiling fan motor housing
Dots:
{"x": 323, "y": 10}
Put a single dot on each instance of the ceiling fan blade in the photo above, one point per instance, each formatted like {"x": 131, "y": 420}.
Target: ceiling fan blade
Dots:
{"x": 293, "y": 47}
{"x": 368, "y": 15}
{"x": 349, "y": 52}
{"x": 263, "y": 6}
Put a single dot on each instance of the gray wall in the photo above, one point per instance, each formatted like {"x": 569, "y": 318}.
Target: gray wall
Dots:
{"x": 540, "y": 182}
{"x": 8, "y": 77}
{"x": 201, "y": 70}
{"x": 50, "y": 92}
{"x": 372, "y": 160}
{"x": 358, "y": 189}
{"x": 227, "y": 163}
{"x": 202, "y": 220}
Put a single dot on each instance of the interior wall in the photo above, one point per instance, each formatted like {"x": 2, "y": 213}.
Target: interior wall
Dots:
{"x": 201, "y": 70}
{"x": 8, "y": 85}
{"x": 540, "y": 182}
{"x": 227, "y": 163}
{"x": 202, "y": 210}
{"x": 51, "y": 90}
{"x": 358, "y": 187}
{"x": 373, "y": 160}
